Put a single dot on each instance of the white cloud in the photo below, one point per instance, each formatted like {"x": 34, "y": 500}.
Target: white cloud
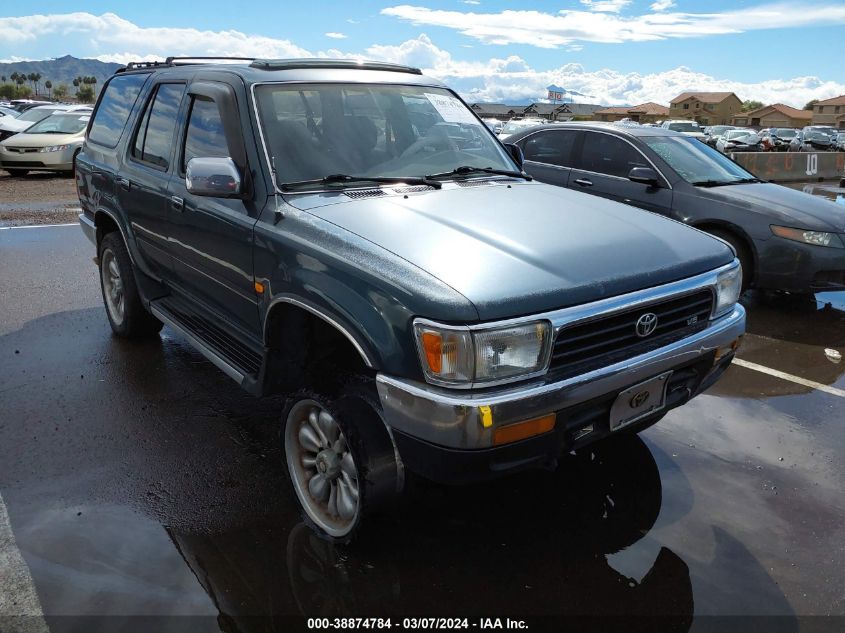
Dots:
{"x": 471, "y": 1}
{"x": 553, "y": 30}
{"x": 606, "y": 6}
{"x": 509, "y": 78}
{"x": 662, "y": 5}
{"x": 335, "y": 35}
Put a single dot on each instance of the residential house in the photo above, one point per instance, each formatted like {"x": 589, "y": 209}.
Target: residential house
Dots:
{"x": 708, "y": 108}
{"x": 775, "y": 115}
{"x": 644, "y": 113}
{"x": 497, "y": 110}
{"x": 830, "y": 112}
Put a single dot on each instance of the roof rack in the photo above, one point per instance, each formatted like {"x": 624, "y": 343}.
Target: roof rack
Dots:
{"x": 301, "y": 64}
{"x": 181, "y": 61}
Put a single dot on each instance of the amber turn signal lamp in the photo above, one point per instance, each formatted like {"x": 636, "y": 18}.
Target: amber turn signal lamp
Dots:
{"x": 259, "y": 287}
{"x": 433, "y": 346}
{"x": 522, "y": 430}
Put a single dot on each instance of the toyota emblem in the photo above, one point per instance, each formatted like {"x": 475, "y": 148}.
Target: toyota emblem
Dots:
{"x": 646, "y": 324}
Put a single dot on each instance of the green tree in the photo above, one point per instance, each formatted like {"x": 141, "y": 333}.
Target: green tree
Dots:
{"x": 85, "y": 94}
{"x": 3, "y": 77}
{"x": 76, "y": 85}
{"x": 748, "y": 106}
{"x": 809, "y": 105}
{"x": 60, "y": 91}
{"x": 36, "y": 78}
{"x": 49, "y": 86}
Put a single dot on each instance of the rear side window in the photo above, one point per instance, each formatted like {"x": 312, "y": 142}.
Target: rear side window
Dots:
{"x": 154, "y": 138}
{"x": 606, "y": 154}
{"x": 553, "y": 147}
{"x": 114, "y": 108}
{"x": 205, "y": 136}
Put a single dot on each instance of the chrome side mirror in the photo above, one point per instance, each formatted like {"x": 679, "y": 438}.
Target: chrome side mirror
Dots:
{"x": 213, "y": 177}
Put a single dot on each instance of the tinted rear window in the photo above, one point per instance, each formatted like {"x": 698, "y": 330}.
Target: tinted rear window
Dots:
{"x": 114, "y": 108}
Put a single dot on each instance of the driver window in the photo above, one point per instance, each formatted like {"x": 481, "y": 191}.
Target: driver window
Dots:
{"x": 553, "y": 147}
{"x": 607, "y": 154}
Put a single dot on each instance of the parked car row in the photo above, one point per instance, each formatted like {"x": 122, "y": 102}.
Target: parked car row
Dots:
{"x": 813, "y": 138}
{"x": 38, "y": 137}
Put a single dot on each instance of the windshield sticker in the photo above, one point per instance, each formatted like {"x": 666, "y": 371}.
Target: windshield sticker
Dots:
{"x": 451, "y": 109}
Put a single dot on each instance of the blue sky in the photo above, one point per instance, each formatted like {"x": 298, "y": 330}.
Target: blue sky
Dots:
{"x": 620, "y": 51}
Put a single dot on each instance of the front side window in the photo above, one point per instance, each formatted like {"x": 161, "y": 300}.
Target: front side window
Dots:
{"x": 553, "y": 147}
{"x": 606, "y": 154}
{"x": 371, "y": 130}
{"x": 116, "y": 103}
{"x": 205, "y": 136}
{"x": 696, "y": 162}
{"x": 154, "y": 137}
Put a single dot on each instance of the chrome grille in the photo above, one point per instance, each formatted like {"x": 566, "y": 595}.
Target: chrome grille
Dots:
{"x": 612, "y": 338}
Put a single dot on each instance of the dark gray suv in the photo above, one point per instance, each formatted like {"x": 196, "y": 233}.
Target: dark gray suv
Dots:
{"x": 353, "y": 236}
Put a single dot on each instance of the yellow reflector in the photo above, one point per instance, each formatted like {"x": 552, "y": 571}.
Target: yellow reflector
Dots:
{"x": 521, "y": 430}
{"x": 486, "y": 416}
{"x": 433, "y": 347}
{"x": 259, "y": 287}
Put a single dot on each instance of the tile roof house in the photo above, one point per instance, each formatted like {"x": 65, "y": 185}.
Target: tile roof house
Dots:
{"x": 551, "y": 111}
{"x": 830, "y": 112}
{"x": 775, "y": 115}
{"x": 644, "y": 113}
{"x": 708, "y": 108}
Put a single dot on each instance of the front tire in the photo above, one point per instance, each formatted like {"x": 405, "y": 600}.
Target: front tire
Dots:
{"x": 341, "y": 461}
{"x": 743, "y": 254}
{"x": 126, "y": 312}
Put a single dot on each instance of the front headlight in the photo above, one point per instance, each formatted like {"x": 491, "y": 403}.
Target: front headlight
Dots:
{"x": 54, "y": 148}
{"x": 459, "y": 356}
{"x": 816, "y": 238}
{"x": 728, "y": 289}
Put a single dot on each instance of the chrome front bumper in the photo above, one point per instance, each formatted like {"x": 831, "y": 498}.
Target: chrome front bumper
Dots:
{"x": 462, "y": 420}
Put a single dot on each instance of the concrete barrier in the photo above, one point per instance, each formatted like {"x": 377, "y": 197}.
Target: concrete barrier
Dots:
{"x": 793, "y": 166}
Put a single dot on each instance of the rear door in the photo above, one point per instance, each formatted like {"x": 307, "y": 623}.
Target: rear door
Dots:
{"x": 601, "y": 168}
{"x": 548, "y": 155}
{"x": 141, "y": 183}
{"x": 212, "y": 237}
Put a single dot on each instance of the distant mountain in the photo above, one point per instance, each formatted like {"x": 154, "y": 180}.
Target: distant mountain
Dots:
{"x": 62, "y": 70}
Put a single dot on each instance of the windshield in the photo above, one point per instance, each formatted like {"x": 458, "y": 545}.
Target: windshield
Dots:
{"x": 515, "y": 126}
{"x": 740, "y": 133}
{"x": 684, "y": 127}
{"x": 60, "y": 124}
{"x": 371, "y": 130}
{"x": 785, "y": 133}
{"x": 716, "y": 130}
{"x": 36, "y": 114}
{"x": 695, "y": 161}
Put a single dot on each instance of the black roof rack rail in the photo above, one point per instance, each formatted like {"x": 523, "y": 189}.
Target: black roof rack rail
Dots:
{"x": 302, "y": 64}
{"x": 179, "y": 61}
{"x": 175, "y": 61}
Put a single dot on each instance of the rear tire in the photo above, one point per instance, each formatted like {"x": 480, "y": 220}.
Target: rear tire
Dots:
{"x": 743, "y": 254}
{"x": 341, "y": 460}
{"x": 125, "y": 310}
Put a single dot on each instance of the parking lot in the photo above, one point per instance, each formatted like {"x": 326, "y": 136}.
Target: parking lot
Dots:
{"x": 138, "y": 480}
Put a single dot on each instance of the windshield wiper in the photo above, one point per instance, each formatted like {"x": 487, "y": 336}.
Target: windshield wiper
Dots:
{"x": 722, "y": 183}
{"x": 466, "y": 170}
{"x": 346, "y": 179}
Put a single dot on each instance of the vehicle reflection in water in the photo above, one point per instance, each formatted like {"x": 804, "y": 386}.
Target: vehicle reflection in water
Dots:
{"x": 535, "y": 544}
{"x": 825, "y": 190}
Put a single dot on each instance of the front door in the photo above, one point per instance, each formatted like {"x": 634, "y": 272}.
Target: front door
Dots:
{"x": 212, "y": 237}
{"x": 548, "y": 155}
{"x": 602, "y": 167}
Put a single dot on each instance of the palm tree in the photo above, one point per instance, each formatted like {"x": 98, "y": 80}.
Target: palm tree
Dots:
{"x": 36, "y": 77}
{"x": 31, "y": 78}
{"x": 76, "y": 84}
{"x": 3, "y": 77}
{"x": 49, "y": 86}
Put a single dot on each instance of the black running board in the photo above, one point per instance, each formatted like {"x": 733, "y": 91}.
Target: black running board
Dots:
{"x": 235, "y": 359}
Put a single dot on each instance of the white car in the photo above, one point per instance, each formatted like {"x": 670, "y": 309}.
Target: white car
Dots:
{"x": 13, "y": 125}
{"x": 517, "y": 125}
{"x": 49, "y": 145}
{"x": 689, "y": 128}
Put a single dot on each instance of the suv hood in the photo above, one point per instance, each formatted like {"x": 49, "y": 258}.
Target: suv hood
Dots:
{"x": 522, "y": 248}
{"x": 785, "y": 206}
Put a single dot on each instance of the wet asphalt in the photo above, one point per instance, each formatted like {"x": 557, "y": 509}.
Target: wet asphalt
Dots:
{"x": 140, "y": 481}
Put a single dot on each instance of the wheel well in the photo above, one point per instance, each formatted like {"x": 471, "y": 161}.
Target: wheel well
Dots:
{"x": 740, "y": 236}
{"x": 105, "y": 225}
{"x": 306, "y": 350}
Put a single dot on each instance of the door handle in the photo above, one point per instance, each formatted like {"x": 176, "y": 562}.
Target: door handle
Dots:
{"x": 123, "y": 183}
{"x": 583, "y": 182}
{"x": 177, "y": 203}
